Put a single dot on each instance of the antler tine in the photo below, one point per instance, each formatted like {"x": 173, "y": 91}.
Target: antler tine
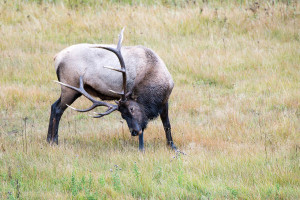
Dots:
{"x": 117, "y": 51}
{"x": 120, "y": 39}
{"x": 83, "y": 92}
{"x": 108, "y": 111}
{"x": 118, "y": 70}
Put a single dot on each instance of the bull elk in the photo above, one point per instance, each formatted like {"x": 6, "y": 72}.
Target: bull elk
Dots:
{"x": 141, "y": 86}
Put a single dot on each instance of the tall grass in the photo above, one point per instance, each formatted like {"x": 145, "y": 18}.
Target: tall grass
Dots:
{"x": 234, "y": 109}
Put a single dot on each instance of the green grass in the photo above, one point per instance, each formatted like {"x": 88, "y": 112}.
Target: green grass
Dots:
{"x": 234, "y": 110}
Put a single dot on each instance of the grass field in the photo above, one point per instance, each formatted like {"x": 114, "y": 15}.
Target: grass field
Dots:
{"x": 235, "y": 108}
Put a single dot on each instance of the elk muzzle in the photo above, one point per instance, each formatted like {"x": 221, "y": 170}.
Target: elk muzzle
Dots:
{"x": 136, "y": 132}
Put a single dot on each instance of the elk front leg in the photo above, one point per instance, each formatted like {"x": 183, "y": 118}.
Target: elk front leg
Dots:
{"x": 141, "y": 141}
{"x": 167, "y": 126}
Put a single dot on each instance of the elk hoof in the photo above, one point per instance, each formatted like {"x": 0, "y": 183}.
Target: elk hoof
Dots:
{"x": 142, "y": 150}
{"x": 172, "y": 146}
{"x": 55, "y": 140}
{"x": 52, "y": 141}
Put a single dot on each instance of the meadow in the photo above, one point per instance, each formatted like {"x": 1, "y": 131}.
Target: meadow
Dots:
{"x": 234, "y": 110}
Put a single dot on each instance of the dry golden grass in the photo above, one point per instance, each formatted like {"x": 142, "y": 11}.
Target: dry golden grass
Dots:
{"x": 234, "y": 110}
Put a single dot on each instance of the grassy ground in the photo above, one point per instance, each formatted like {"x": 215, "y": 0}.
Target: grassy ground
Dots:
{"x": 234, "y": 110}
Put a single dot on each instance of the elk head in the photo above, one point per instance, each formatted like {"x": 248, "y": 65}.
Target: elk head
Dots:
{"x": 130, "y": 109}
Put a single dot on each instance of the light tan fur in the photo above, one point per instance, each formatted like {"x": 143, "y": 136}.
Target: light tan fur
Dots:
{"x": 143, "y": 67}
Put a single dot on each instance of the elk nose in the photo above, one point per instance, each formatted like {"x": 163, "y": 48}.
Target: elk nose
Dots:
{"x": 134, "y": 133}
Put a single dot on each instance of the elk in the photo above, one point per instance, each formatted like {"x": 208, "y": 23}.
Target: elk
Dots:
{"x": 141, "y": 87}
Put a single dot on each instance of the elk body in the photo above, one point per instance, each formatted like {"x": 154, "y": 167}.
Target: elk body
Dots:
{"x": 142, "y": 85}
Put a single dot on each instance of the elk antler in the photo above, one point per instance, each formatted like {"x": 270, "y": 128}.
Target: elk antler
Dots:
{"x": 111, "y": 107}
{"x": 117, "y": 51}
{"x": 124, "y": 95}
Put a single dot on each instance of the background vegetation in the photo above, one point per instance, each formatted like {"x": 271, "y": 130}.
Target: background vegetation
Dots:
{"x": 234, "y": 110}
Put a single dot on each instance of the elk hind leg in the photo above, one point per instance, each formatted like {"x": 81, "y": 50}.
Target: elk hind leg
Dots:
{"x": 57, "y": 110}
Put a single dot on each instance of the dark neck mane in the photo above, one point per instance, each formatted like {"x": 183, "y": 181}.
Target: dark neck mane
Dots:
{"x": 152, "y": 101}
